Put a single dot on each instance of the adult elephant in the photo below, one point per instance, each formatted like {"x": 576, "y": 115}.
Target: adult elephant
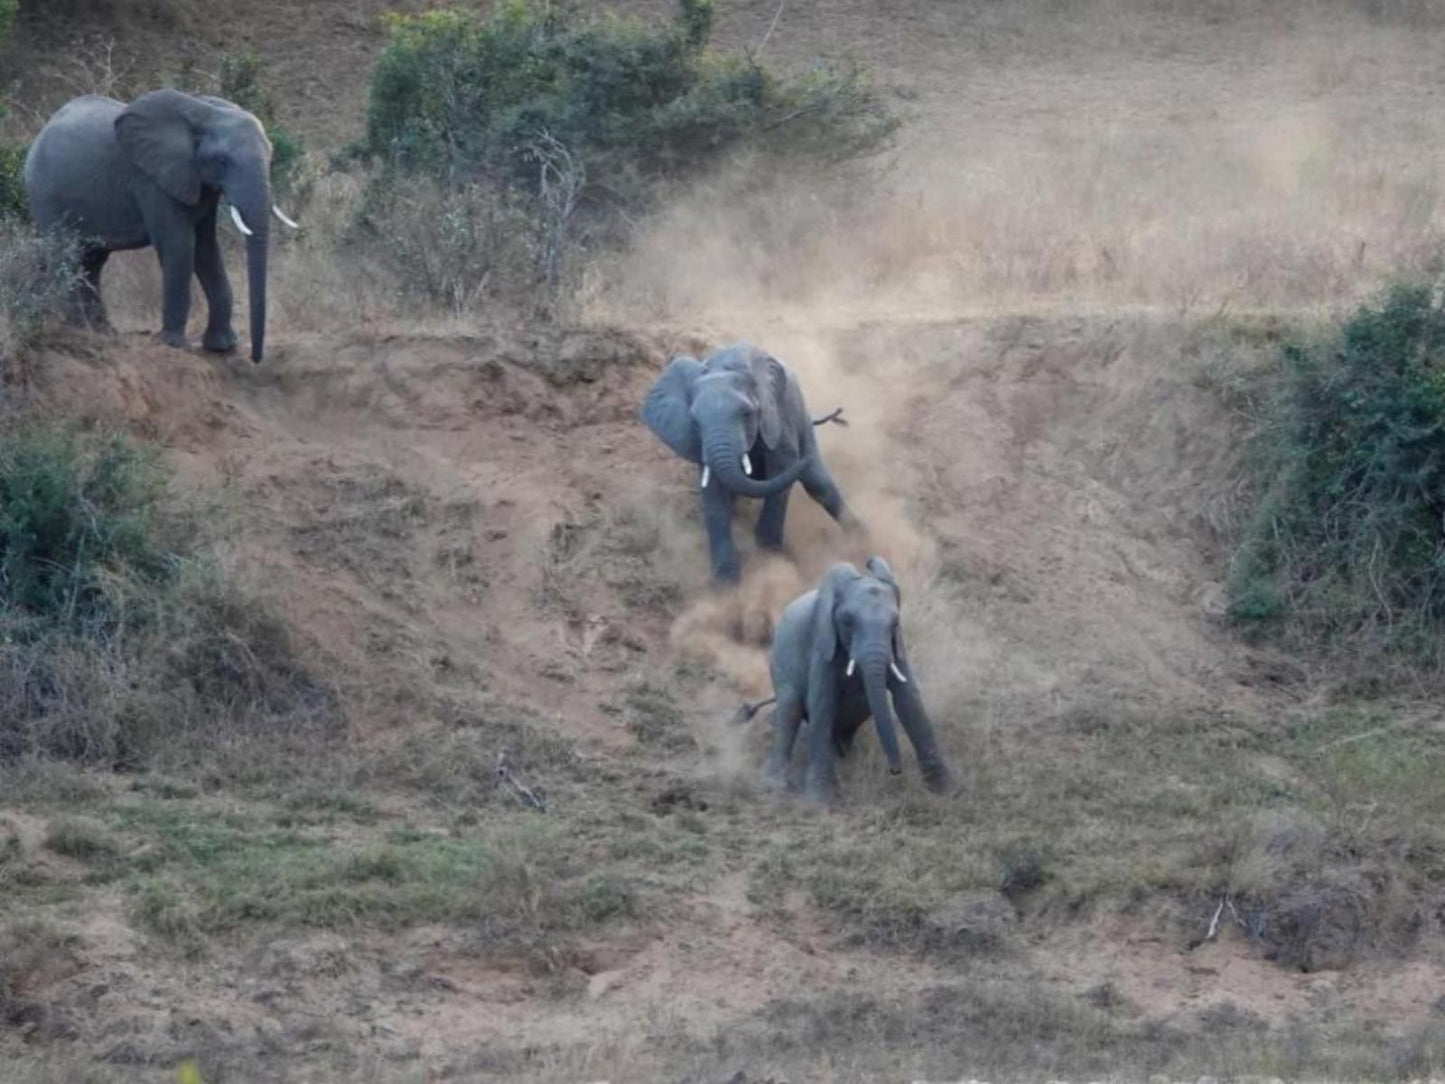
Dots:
{"x": 153, "y": 173}
{"x": 740, "y": 415}
{"x": 838, "y": 658}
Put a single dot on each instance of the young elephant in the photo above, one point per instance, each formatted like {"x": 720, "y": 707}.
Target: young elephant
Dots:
{"x": 836, "y": 657}
{"x": 740, "y": 415}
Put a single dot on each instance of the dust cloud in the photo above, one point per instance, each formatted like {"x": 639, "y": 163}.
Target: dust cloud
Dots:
{"x": 1173, "y": 164}
{"x": 731, "y": 629}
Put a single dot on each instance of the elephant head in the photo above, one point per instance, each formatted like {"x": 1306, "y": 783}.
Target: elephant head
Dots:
{"x": 186, "y": 144}
{"x": 856, "y": 617}
{"x": 713, "y": 413}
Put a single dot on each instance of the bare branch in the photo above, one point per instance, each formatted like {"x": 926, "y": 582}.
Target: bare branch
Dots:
{"x": 1214, "y": 922}
{"x": 523, "y": 793}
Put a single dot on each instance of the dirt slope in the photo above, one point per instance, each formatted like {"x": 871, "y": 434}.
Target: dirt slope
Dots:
{"x": 485, "y": 513}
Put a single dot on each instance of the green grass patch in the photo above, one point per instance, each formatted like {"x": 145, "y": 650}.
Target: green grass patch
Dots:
{"x": 211, "y": 871}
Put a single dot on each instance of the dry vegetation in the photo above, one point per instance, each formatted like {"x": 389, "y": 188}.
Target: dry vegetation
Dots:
{"x": 251, "y": 811}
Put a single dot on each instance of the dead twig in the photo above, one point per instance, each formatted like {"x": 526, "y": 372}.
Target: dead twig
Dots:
{"x": 771, "y": 26}
{"x": 1214, "y": 922}
{"x": 523, "y": 793}
{"x": 836, "y": 418}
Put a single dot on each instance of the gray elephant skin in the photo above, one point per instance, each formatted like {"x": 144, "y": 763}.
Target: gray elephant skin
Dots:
{"x": 838, "y": 658}
{"x": 740, "y": 416}
{"x": 152, "y": 173}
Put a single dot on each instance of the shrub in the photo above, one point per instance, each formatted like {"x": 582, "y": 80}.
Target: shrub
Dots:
{"x": 37, "y": 274}
{"x": 453, "y": 247}
{"x": 455, "y": 95}
{"x": 1347, "y": 542}
{"x": 118, "y": 643}
{"x": 73, "y": 524}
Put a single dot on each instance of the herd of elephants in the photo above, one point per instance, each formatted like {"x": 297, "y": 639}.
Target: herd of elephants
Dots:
{"x": 152, "y": 173}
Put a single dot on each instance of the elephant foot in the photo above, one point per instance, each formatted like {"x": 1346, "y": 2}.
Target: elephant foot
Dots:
{"x": 938, "y": 779}
{"x": 176, "y": 338}
{"x": 767, "y": 542}
{"x": 726, "y": 578}
{"x": 818, "y": 798}
{"x": 819, "y": 792}
{"x": 775, "y": 780}
{"x": 220, "y": 342}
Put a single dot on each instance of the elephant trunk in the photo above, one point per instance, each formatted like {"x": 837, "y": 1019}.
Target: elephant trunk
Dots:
{"x": 874, "y": 666}
{"x": 253, "y": 200}
{"x": 256, "y": 254}
{"x": 723, "y": 456}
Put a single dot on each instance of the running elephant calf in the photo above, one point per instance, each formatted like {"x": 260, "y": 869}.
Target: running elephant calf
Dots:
{"x": 837, "y": 659}
{"x": 740, "y": 416}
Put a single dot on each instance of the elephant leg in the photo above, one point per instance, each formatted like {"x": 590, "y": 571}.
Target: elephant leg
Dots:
{"x": 821, "y": 487}
{"x": 211, "y": 271}
{"x": 909, "y": 706}
{"x": 852, "y": 714}
{"x": 88, "y": 309}
{"x": 820, "y": 782}
{"x": 787, "y": 717}
{"x": 769, "y": 531}
{"x": 176, "y": 250}
{"x": 717, "y": 516}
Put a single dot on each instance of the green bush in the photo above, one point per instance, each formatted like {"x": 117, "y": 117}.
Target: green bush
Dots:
{"x": 119, "y": 643}
{"x": 8, "y": 8}
{"x": 1347, "y": 541}
{"x": 456, "y": 96}
{"x": 75, "y": 525}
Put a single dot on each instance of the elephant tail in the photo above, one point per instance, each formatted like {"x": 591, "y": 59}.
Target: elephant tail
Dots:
{"x": 746, "y": 712}
{"x": 836, "y": 418}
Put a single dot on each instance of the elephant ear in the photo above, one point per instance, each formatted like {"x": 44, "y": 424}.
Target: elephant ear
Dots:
{"x": 156, "y": 134}
{"x": 879, "y": 570}
{"x": 825, "y": 631}
{"x": 666, "y": 410}
{"x": 772, "y": 380}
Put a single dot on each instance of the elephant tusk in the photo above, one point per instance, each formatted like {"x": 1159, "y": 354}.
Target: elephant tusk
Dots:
{"x": 852, "y": 665}
{"x": 747, "y": 464}
{"x": 282, "y": 216}
{"x": 897, "y": 673}
{"x": 240, "y": 222}
{"x": 706, "y": 474}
